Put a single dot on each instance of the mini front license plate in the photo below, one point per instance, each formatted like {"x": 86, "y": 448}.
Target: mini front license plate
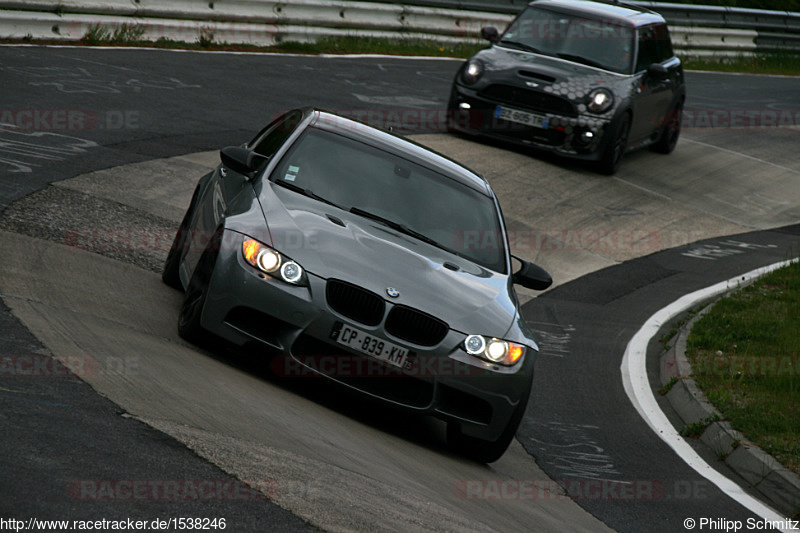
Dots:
{"x": 522, "y": 117}
{"x": 364, "y": 342}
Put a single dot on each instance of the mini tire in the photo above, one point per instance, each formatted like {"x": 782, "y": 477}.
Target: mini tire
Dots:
{"x": 612, "y": 155}
{"x": 671, "y": 130}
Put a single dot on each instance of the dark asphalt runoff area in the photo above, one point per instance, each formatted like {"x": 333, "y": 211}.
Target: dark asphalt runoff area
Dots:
{"x": 580, "y": 424}
{"x": 61, "y": 440}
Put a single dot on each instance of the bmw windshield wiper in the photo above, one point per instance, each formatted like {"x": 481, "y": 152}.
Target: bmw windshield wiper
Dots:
{"x": 580, "y": 59}
{"x": 306, "y": 192}
{"x": 402, "y": 228}
{"x": 521, "y": 46}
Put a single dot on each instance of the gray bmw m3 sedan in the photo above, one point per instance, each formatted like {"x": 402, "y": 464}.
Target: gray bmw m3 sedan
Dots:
{"x": 351, "y": 253}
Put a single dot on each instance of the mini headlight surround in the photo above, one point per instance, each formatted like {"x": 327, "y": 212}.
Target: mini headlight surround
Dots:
{"x": 494, "y": 350}
{"x": 472, "y": 71}
{"x": 600, "y": 100}
{"x": 270, "y": 261}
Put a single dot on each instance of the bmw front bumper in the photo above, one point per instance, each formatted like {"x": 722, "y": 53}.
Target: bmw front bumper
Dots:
{"x": 298, "y": 323}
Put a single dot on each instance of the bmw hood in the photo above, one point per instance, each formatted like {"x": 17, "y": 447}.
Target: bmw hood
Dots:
{"x": 331, "y": 243}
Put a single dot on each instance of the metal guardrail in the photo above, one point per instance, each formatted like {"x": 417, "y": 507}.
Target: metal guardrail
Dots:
{"x": 696, "y": 30}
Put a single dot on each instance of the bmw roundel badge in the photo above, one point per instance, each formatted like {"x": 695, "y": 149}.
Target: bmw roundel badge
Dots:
{"x": 392, "y": 292}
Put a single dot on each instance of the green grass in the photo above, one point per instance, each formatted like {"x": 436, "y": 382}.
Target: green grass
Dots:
{"x": 132, "y": 35}
{"x": 745, "y": 356}
{"x": 126, "y": 34}
{"x": 784, "y": 63}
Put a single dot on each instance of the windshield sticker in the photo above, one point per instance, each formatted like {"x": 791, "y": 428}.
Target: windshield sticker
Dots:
{"x": 291, "y": 174}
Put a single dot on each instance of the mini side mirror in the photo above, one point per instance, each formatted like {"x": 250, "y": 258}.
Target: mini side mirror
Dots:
{"x": 531, "y": 276}
{"x": 658, "y": 71}
{"x": 490, "y": 33}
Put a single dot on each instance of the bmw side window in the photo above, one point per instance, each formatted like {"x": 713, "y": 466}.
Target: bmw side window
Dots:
{"x": 273, "y": 136}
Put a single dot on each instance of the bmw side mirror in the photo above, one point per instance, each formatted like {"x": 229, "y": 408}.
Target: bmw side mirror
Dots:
{"x": 657, "y": 71}
{"x": 490, "y": 33}
{"x": 531, "y": 276}
{"x": 241, "y": 160}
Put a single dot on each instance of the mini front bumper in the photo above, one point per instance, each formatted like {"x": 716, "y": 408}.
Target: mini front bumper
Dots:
{"x": 245, "y": 307}
{"x": 579, "y": 137}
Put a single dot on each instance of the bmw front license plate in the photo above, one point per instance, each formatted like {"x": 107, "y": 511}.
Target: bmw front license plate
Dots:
{"x": 521, "y": 117}
{"x": 364, "y": 342}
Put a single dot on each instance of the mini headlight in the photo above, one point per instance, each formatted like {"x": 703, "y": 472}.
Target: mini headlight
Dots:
{"x": 600, "y": 100}
{"x": 472, "y": 72}
{"x": 494, "y": 350}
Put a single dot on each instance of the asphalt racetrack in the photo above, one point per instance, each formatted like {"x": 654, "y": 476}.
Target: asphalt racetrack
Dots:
{"x": 99, "y": 152}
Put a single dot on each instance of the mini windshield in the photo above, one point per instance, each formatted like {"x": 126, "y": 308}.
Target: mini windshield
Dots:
{"x": 594, "y": 42}
{"x": 379, "y": 186}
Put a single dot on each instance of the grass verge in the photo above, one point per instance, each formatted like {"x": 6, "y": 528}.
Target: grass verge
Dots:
{"x": 133, "y": 35}
{"x": 745, "y": 356}
{"x": 784, "y": 63}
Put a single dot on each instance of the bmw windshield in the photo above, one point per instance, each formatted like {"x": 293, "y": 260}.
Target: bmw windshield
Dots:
{"x": 384, "y": 188}
{"x": 597, "y": 43}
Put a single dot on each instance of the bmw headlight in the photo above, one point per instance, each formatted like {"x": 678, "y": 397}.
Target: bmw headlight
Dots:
{"x": 272, "y": 262}
{"x": 493, "y": 349}
{"x": 600, "y": 100}
{"x": 472, "y": 71}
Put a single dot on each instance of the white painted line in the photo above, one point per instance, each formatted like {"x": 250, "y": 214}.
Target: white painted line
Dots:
{"x": 644, "y": 189}
{"x": 752, "y": 158}
{"x": 743, "y": 74}
{"x": 637, "y": 387}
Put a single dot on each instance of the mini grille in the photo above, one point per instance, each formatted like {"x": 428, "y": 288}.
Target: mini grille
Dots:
{"x": 354, "y": 302}
{"x": 414, "y": 326}
{"x": 528, "y": 99}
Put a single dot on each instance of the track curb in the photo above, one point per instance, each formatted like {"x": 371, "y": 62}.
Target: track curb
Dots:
{"x": 780, "y": 486}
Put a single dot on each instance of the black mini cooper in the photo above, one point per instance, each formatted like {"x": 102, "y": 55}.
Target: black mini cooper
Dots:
{"x": 583, "y": 79}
